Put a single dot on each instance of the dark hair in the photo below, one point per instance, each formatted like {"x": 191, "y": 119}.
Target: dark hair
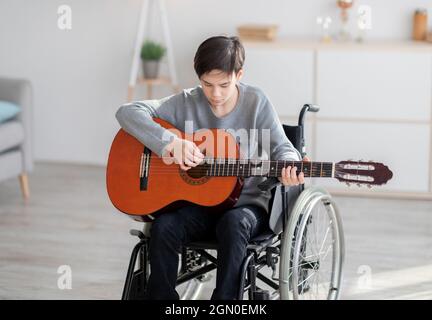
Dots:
{"x": 222, "y": 53}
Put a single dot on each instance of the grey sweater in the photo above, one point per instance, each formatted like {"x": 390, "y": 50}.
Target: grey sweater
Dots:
{"x": 190, "y": 111}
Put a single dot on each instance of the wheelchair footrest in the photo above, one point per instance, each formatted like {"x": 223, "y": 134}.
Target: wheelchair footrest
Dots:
{"x": 261, "y": 295}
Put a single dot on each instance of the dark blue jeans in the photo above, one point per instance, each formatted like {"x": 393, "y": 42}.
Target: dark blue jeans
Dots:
{"x": 233, "y": 229}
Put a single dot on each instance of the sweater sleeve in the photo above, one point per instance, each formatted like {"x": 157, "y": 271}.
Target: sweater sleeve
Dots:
{"x": 280, "y": 147}
{"x": 136, "y": 118}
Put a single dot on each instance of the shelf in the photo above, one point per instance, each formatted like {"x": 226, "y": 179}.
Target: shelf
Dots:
{"x": 149, "y": 83}
{"x": 156, "y": 81}
{"x": 316, "y": 44}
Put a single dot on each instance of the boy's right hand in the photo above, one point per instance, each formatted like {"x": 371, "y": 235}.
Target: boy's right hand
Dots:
{"x": 185, "y": 153}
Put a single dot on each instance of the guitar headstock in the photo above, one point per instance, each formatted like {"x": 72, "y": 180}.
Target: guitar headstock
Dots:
{"x": 362, "y": 173}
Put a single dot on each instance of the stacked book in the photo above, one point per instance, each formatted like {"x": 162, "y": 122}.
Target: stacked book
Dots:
{"x": 257, "y": 32}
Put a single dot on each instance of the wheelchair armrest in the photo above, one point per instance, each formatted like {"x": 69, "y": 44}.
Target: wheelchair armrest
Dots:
{"x": 137, "y": 233}
{"x": 269, "y": 184}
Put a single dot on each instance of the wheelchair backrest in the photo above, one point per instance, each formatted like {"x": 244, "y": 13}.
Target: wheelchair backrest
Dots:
{"x": 295, "y": 135}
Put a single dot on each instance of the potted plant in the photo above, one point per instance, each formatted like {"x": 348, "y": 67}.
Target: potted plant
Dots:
{"x": 151, "y": 54}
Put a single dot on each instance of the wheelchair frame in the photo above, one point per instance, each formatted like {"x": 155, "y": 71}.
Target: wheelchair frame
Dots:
{"x": 262, "y": 251}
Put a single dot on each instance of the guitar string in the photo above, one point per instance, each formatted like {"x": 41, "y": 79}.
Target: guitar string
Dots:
{"x": 237, "y": 167}
{"x": 280, "y": 164}
{"x": 247, "y": 159}
{"x": 169, "y": 169}
{"x": 161, "y": 168}
{"x": 252, "y": 162}
{"x": 234, "y": 168}
{"x": 309, "y": 174}
{"x": 264, "y": 160}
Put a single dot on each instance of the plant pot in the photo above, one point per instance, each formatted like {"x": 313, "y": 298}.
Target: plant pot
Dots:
{"x": 150, "y": 69}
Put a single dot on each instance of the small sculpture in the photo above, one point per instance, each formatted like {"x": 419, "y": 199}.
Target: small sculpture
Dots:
{"x": 325, "y": 25}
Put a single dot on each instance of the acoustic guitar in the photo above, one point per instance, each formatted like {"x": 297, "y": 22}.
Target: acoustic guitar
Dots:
{"x": 140, "y": 183}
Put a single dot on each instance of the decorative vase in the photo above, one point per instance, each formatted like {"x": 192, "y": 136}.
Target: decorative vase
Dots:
{"x": 150, "y": 69}
{"x": 344, "y": 5}
{"x": 420, "y": 25}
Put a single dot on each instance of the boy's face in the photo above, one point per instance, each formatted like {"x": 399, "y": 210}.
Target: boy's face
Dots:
{"x": 220, "y": 87}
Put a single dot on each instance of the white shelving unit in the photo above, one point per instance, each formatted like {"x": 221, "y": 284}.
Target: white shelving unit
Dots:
{"x": 134, "y": 79}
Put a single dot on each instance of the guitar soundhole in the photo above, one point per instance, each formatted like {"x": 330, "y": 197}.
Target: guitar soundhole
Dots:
{"x": 194, "y": 176}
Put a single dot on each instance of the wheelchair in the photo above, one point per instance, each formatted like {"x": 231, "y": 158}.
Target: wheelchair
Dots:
{"x": 302, "y": 258}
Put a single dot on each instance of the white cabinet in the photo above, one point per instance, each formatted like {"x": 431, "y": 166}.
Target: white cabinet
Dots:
{"x": 375, "y": 101}
{"x": 378, "y": 85}
{"x": 388, "y": 95}
{"x": 404, "y": 148}
{"x": 284, "y": 75}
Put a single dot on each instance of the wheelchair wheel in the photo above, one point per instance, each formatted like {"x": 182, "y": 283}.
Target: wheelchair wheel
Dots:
{"x": 312, "y": 249}
{"x": 139, "y": 271}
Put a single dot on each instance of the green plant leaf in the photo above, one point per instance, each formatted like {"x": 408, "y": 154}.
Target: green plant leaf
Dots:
{"x": 151, "y": 50}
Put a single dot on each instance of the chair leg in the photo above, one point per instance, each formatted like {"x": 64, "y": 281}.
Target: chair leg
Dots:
{"x": 24, "y": 186}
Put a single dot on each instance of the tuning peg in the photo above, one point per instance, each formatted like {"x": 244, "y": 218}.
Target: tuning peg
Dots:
{"x": 369, "y": 186}
{"x": 348, "y": 184}
{"x": 358, "y": 185}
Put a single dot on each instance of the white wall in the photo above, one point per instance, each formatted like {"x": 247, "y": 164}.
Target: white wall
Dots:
{"x": 80, "y": 76}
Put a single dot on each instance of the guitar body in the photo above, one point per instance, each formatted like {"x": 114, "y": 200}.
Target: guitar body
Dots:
{"x": 140, "y": 183}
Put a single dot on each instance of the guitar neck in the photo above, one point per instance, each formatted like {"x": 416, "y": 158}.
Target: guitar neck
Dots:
{"x": 265, "y": 168}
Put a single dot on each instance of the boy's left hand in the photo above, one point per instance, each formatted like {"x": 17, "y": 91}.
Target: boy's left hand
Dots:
{"x": 289, "y": 175}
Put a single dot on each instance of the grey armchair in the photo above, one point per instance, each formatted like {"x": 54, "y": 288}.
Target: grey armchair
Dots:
{"x": 16, "y": 157}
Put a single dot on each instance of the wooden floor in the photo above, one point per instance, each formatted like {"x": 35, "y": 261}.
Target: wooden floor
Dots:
{"x": 70, "y": 221}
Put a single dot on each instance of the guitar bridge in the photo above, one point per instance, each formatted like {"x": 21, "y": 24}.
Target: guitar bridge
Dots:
{"x": 144, "y": 168}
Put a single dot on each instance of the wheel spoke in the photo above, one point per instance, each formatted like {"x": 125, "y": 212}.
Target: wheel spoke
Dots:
{"x": 325, "y": 237}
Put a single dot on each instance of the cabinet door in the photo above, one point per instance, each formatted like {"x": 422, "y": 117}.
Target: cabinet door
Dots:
{"x": 383, "y": 85}
{"x": 404, "y": 148}
{"x": 286, "y": 76}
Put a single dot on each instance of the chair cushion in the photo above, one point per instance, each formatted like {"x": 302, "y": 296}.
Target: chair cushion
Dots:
{"x": 11, "y": 134}
{"x": 8, "y": 110}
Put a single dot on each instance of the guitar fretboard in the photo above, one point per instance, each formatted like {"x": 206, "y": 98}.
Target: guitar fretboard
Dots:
{"x": 264, "y": 168}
